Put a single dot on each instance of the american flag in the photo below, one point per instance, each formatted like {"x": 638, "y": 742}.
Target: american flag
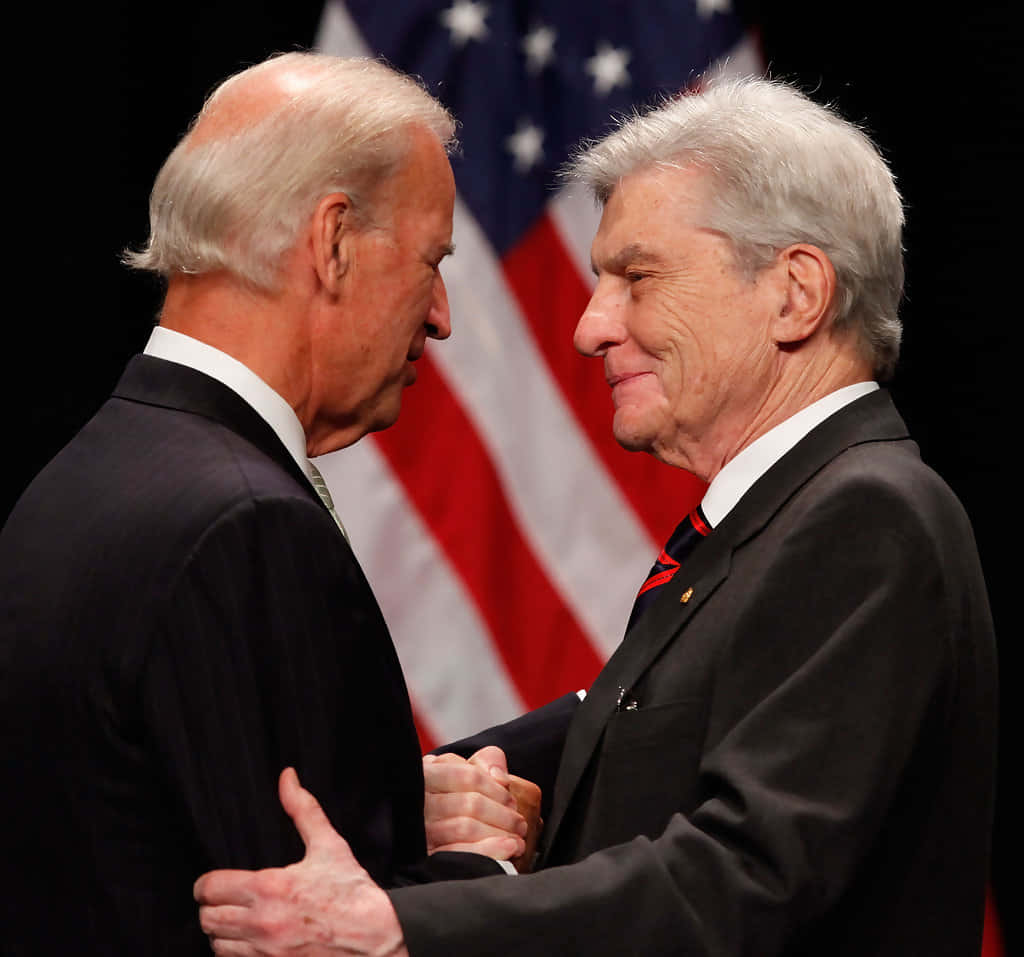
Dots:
{"x": 502, "y": 529}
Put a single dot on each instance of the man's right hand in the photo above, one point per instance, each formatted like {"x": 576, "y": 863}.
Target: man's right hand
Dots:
{"x": 477, "y": 806}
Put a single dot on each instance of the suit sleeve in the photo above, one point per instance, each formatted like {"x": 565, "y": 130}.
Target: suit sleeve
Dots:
{"x": 833, "y": 671}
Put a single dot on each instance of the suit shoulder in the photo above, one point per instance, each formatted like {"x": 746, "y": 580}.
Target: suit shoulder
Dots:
{"x": 183, "y": 455}
{"x": 883, "y": 481}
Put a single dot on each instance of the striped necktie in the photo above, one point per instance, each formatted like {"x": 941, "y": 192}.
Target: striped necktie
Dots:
{"x": 325, "y": 495}
{"x": 682, "y": 541}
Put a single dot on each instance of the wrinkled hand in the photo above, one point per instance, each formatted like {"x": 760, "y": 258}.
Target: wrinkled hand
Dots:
{"x": 326, "y": 905}
{"x": 477, "y": 806}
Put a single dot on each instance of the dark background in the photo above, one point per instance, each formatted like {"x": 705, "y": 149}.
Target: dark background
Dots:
{"x": 111, "y": 89}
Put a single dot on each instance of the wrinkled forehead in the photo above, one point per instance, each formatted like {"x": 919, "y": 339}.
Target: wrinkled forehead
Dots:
{"x": 660, "y": 192}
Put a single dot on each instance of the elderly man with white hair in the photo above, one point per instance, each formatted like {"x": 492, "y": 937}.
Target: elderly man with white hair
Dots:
{"x": 181, "y": 614}
{"x": 792, "y": 750}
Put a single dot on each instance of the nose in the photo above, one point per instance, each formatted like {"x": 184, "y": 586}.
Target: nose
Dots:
{"x": 600, "y": 327}
{"x": 438, "y": 323}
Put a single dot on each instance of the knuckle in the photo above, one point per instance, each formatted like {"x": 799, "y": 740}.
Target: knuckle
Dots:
{"x": 468, "y": 829}
{"x": 266, "y": 928}
{"x": 458, "y": 830}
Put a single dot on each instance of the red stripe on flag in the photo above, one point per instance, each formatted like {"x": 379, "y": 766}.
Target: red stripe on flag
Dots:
{"x": 552, "y": 298}
{"x": 543, "y": 647}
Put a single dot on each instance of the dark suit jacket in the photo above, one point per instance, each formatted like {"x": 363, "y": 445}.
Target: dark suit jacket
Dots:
{"x": 179, "y": 620}
{"x": 809, "y": 768}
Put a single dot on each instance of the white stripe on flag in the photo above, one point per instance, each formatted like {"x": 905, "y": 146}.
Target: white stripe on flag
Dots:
{"x": 433, "y": 620}
{"x": 338, "y": 34}
{"x": 576, "y": 215}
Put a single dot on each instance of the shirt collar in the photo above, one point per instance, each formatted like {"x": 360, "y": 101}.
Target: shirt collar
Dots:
{"x": 240, "y": 379}
{"x": 741, "y": 472}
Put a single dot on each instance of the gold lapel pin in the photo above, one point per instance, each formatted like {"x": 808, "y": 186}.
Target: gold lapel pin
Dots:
{"x": 686, "y": 596}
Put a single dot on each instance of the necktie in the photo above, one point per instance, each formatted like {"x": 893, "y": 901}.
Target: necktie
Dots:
{"x": 325, "y": 496}
{"x": 688, "y": 532}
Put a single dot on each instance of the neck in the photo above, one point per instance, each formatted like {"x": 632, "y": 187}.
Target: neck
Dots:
{"x": 257, "y": 328}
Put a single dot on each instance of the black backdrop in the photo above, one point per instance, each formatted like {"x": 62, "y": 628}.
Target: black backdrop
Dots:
{"x": 111, "y": 88}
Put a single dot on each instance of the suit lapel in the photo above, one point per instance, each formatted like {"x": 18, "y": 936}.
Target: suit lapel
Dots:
{"x": 170, "y": 385}
{"x": 700, "y": 574}
{"x": 872, "y": 418}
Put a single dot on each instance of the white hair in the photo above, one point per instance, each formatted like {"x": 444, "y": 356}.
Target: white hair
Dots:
{"x": 783, "y": 170}
{"x": 237, "y": 200}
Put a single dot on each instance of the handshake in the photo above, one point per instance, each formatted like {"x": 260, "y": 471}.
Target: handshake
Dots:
{"x": 475, "y": 805}
{"x": 326, "y": 904}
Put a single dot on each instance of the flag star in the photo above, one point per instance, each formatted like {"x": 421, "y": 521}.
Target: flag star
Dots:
{"x": 705, "y": 8}
{"x": 465, "y": 20}
{"x": 539, "y": 47}
{"x": 608, "y": 68}
{"x": 526, "y": 146}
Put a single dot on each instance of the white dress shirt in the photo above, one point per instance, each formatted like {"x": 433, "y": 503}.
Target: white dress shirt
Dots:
{"x": 240, "y": 379}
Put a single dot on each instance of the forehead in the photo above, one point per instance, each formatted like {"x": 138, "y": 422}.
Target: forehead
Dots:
{"x": 652, "y": 203}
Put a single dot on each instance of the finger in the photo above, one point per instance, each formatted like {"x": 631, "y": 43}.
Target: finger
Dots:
{"x": 473, "y": 806}
{"x": 224, "y": 887}
{"x": 308, "y": 817}
{"x": 446, "y": 758}
{"x": 226, "y": 920}
{"x": 233, "y": 948}
{"x": 498, "y": 848}
{"x": 467, "y": 830}
{"x": 493, "y": 760}
{"x": 462, "y": 778}
{"x": 526, "y": 793}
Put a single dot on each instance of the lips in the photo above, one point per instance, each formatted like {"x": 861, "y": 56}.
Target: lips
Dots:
{"x": 620, "y": 377}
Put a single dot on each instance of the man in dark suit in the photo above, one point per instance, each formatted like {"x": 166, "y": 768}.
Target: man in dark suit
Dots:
{"x": 792, "y": 750}
{"x": 181, "y": 613}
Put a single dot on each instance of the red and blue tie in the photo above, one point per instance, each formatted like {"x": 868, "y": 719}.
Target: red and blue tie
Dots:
{"x": 682, "y": 541}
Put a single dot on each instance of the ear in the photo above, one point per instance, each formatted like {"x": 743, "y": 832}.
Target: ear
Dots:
{"x": 810, "y": 285}
{"x": 330, "y": 233}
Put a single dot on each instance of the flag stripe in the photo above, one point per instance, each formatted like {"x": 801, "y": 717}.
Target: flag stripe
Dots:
{"x": 473, "y": 524}
{"x": 432, "y": 617}
{"x": 575, "y": 215}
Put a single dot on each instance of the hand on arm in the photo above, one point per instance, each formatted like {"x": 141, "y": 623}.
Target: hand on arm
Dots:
{"x": 477, "y": 806}
{"x": 325, "y": 905}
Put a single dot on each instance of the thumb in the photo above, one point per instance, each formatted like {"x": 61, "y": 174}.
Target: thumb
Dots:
{"x": 308, "y": 817}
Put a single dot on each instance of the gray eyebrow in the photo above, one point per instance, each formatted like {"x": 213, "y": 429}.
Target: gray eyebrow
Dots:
{"x": 632, "y": 252}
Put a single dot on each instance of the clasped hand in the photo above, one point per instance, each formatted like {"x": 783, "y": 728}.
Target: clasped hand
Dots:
{"x": 476, "y": 805}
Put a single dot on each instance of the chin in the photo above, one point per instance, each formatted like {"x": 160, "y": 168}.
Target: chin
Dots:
{"x": 632, "y": 435}
{"x": 633, "y": 441}
{"x": 386, "y": 414}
